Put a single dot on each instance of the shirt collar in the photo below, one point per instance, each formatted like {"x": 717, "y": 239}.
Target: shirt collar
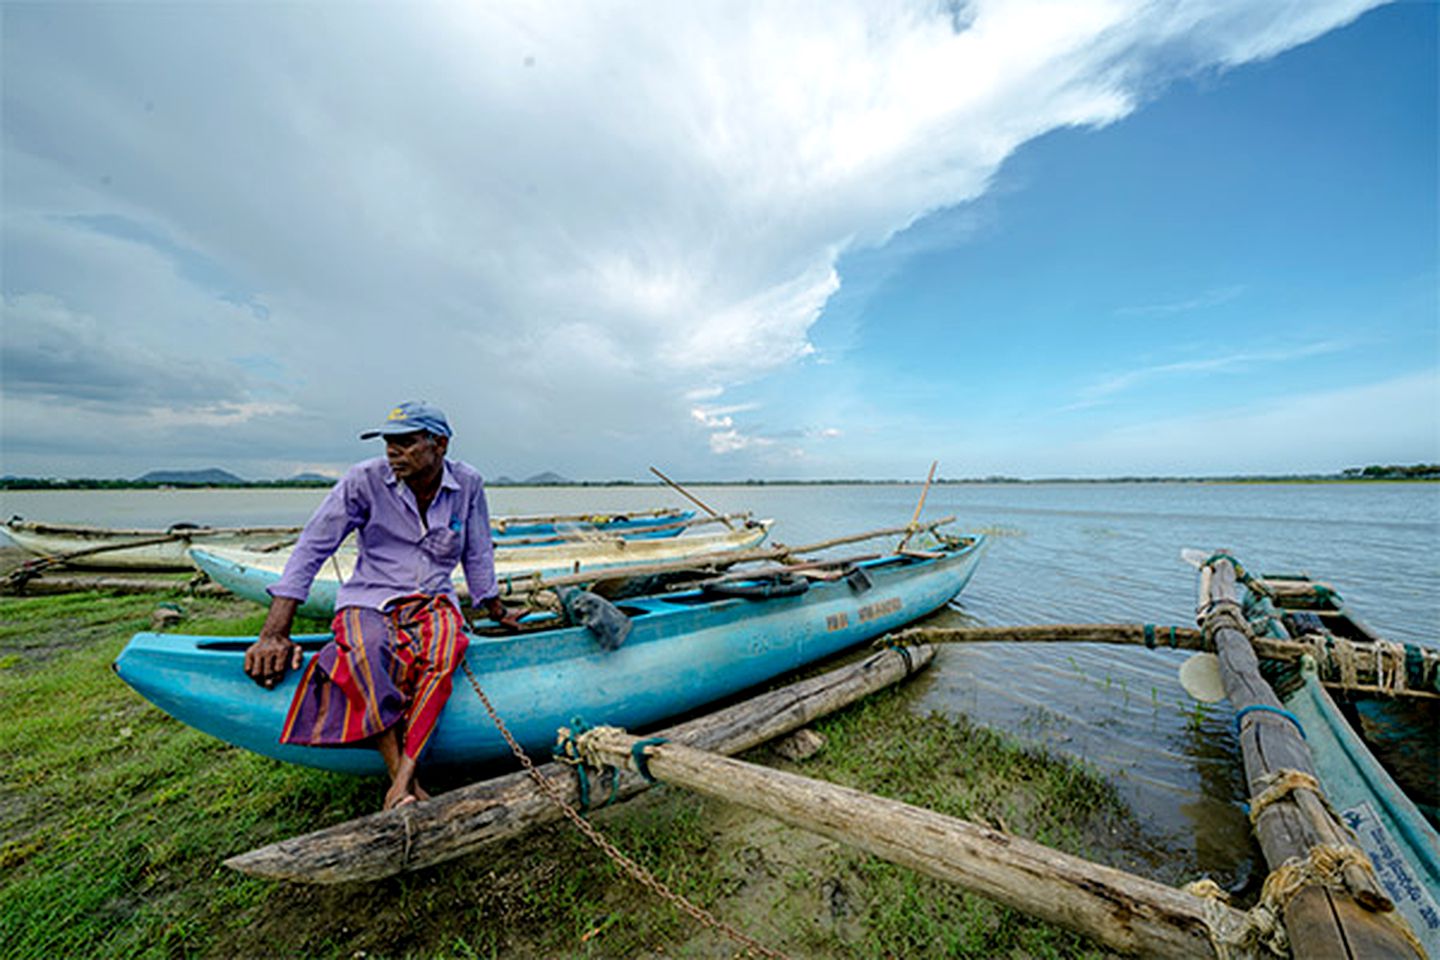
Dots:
{"x": 447, "y": 478}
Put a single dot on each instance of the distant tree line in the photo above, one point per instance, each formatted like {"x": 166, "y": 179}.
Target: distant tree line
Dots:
{"x": 1416, "y": 471}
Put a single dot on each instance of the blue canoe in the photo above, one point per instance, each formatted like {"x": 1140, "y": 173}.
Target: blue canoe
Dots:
{"x": 652, "y": 523}
{"x": 1377, "y": 755}
{"x": 685, "y": 650}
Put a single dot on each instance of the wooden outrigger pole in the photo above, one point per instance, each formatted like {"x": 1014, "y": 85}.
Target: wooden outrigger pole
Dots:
{"x": 1123, "y": 911}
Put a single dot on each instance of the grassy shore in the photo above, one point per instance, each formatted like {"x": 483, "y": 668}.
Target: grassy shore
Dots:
{"x": 114, "y": 819}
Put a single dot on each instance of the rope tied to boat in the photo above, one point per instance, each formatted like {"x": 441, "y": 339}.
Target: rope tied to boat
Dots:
{"x": 900, "y": 643}
{"x": 634, "y": 870}
{"x": 1235, "y": 934}
{"x": 1222, "y": 615}
{"x": 641, "y": 759}
{"x": 567, "y": 751}
{"x": 1243, "y": 712}
{"x": 1325, "y": 866}
{"x": 1151, "y": 633}
{"x": 1279, "y": 785}
{"x": 1254, "y": 583}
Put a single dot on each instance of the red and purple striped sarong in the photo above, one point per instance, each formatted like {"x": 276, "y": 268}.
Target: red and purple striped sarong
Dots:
{"x": 383, "y": 667}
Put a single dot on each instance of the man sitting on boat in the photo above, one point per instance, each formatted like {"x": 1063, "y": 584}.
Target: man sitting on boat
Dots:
{"x": 384, "y": 678}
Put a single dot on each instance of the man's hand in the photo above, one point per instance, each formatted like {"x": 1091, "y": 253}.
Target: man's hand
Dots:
{"x": 274, "y": 652}
{"x": 507, "y": 618}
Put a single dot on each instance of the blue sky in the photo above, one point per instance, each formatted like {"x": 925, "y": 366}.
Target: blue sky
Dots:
{"x": 765, "y": 240}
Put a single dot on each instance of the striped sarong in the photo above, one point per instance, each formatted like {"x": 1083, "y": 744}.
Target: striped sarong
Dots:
{"x": 382, "y": 668}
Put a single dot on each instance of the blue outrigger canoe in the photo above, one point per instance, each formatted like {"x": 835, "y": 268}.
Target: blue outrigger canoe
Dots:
{"x": 654, "y": 523}
{"x": 685, "y": 649}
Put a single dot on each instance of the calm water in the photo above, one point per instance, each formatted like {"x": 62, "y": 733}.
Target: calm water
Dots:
{"x": 1065, "y": 553}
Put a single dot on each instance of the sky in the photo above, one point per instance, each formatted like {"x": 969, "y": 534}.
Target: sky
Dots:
{"x": 785, "y": 240}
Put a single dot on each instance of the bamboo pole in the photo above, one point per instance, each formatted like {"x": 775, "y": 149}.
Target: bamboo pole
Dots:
{"x": 1121, "y": 910}
{"x": 502, "y": 522}
{"x": 459, "y": 822}
{"x": 1157, "y": 636}
{"x": 515, "y": 586}
{"x": 593, "y": 534}
{"x": 924, "y": 492}
{"x": 688, "y": 495}
{"x": 79, "y": 530}
{"x": 1321, "y": 921}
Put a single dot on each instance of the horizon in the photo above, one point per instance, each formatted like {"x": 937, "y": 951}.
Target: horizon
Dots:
{"x": 1024, "y": 239}
{"x": 1420, "y": 471}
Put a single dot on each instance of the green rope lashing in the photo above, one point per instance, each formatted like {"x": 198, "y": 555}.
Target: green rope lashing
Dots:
{"x": 567, "y": 751}
{"x": 1151, "y": 633}
{"x": 642, "y": 762}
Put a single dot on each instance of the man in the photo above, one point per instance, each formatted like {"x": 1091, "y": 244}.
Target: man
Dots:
{"x": 384, "y": 678}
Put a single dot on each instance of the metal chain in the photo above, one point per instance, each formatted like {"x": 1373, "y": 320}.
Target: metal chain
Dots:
{"x": 635, "y": 870}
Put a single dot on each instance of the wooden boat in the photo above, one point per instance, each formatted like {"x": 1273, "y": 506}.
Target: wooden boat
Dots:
{"x": 685, "y": 649}
{"x": 107, "y": 548}
{"x": 1375, "y": 745}
{"x": 247, "y": 573}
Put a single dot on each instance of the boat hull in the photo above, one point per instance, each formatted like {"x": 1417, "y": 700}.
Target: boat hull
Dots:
{"x": 1400, "y": 842}
{"x": 685, "y": 650}
{"x": 58, "y": 540}
{"x": 168, "y": 556}
{"x": 248, "y": 574}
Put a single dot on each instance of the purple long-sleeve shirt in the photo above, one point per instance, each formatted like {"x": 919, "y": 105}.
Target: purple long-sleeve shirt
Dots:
{"x": 398, "y": 556}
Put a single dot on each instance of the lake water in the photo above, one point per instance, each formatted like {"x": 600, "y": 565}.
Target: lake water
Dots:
{"x": 1062, "y": 553}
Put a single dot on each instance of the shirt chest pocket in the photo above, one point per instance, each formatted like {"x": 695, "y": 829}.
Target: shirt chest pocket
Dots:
{"x": 442, "y": 545}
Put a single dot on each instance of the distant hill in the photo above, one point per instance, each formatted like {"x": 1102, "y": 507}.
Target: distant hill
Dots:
{"x": 548, "y": 478}
{"x": 209, "y": 477}
{"x": 310, "y": 478}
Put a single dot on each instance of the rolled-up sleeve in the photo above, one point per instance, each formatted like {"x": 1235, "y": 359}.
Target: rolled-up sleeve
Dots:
{"x": 344, "y": 509}
{"x": 478, "y": 557}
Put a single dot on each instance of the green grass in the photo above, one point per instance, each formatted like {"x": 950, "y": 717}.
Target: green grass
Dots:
{"x": 114, "y": 820}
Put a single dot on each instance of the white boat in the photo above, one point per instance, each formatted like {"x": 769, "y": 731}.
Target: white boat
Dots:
{"x": 109, "y": 548}
{"x": 106, "y": 548}
{"x": 247, "y": 573}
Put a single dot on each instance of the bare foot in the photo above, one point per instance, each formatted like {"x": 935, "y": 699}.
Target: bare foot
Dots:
{"x": 420, "y": 792}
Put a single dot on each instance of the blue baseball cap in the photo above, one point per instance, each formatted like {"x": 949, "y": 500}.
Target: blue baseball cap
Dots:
{"x": 410, "y": 417}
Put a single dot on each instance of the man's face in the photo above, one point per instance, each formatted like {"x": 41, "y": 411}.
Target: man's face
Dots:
{"x": 414, "y": 455}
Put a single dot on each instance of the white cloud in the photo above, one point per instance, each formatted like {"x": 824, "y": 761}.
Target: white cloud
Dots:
{"x": 1235, "y": 362}
{"x": 568, "y": 223}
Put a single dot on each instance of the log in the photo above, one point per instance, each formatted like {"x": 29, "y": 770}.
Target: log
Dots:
{"x": 1321, "y": 922}
{"x": 464, "y": 820}
{"x": 1123, "y": 911}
